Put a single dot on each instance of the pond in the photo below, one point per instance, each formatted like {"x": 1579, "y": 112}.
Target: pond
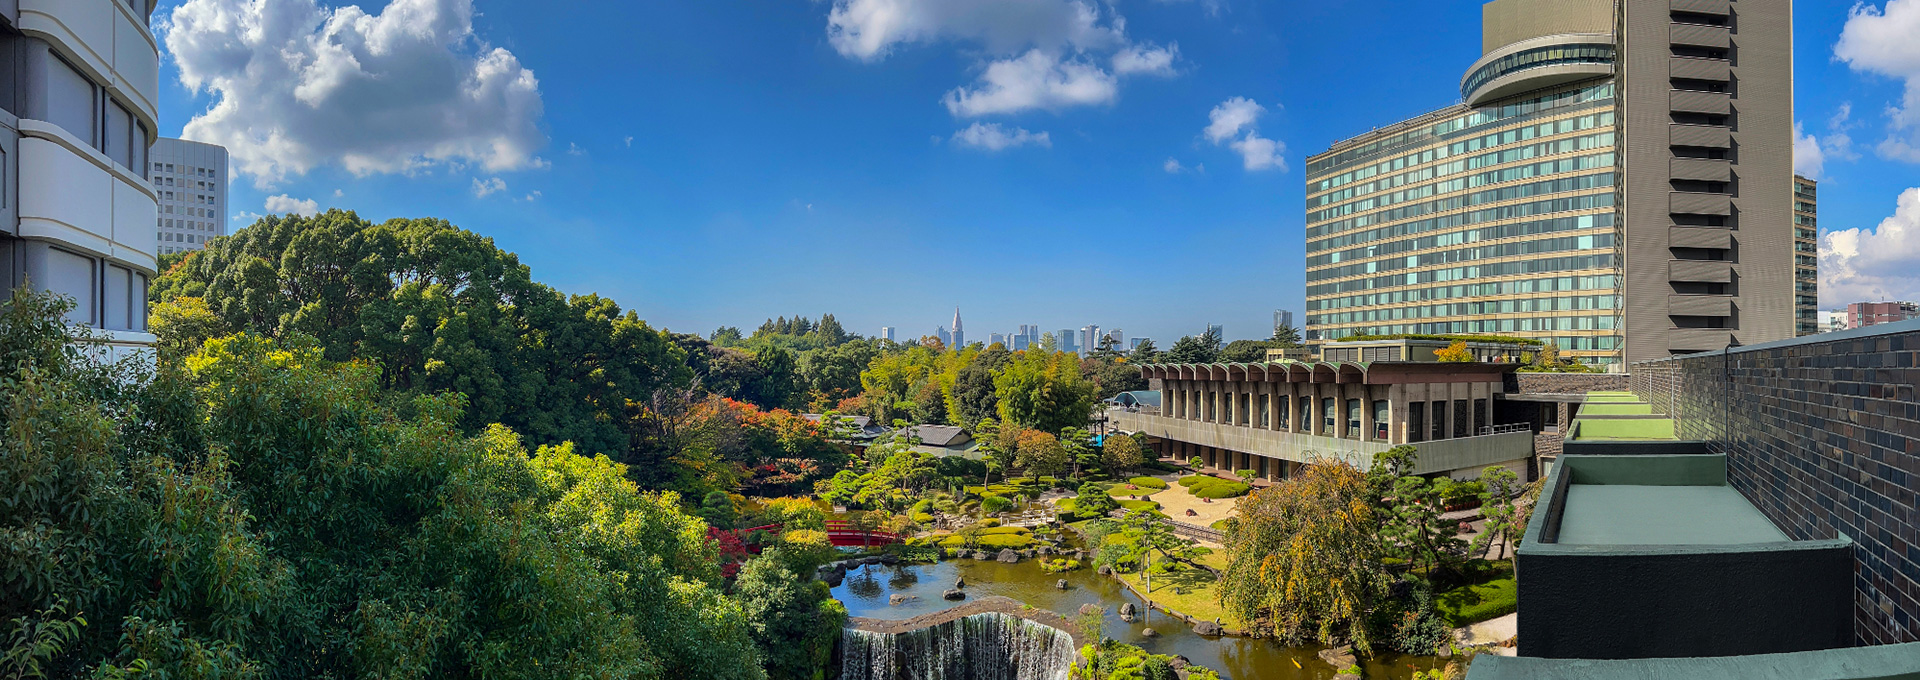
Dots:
{"x": 867, "y": 589}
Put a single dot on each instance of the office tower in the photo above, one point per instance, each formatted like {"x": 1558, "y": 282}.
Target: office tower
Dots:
{"x": 886, "y": 333}
{"x": 1064, "y": 339}
{"x": 1861, "y": 314}
{"x": 959, "y": 336}
{"x": 1020, "y": 342}
{"x": 190, "y": 179}
{"x": 946, "y": 338}
{"x": 1119, "y": 338}
{"x": 996, "y": 339}
{"x": 1137, "y": 342}
{"x": 1806, "y": 257}
{"x": 1282, "y": 317}
{"x": 1089, "y": 338}
{"x": 79, "y": 86}
{"x": 1219, "y": 332}
{"x": 1607, "y": 185}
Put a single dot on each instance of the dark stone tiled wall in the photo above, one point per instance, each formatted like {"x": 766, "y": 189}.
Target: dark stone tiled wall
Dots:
{"x": 1825, "y": 439}
{"x": 1565, "y": 383}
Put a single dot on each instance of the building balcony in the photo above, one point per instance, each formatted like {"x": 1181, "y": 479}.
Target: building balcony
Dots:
{"x": 1699, "y": 35}
{"x": 1703, "y": 169}
{"x": 1700, "y": 305}
{"x": 1700, "y": 69}
{"x": 74, "y": 195}
{"x": 108, "y": 40}
{"x": 1698, "y": 339}
{"x": 1700, "y": 203}
{"x": 1709, "y": 136}
{"x": 1692, "y": 101}
{"x": 1714, "y": 7}
{"x": 1699, "y": 237}
{"x": 1700, "y": 271}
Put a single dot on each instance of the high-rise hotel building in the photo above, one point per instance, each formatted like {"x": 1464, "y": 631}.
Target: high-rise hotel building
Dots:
{"x": 78, "y": 87}
{"x": 191, "y": 181}
{"x": 1611, "y": 182}
{"x": 1806, "y": 257}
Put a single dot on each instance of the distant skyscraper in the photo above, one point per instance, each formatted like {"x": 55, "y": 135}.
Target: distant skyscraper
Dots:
{"x": 1020, "y": 342}
{"x": 1064, "y": 338}
{"x": 1137, "y": 342}
{"x": 886, "y": 333}
{"x": 996, "y": 339}
{"x": 1219, "y": 331}
{"x": 1282, "y": 317}
{"x": 946, "y": 338}
{"x": 959, "y": 335}
{"x": 190, "y": 178}
{"x": 1089, "y": 338}
{"x": 1119, "y": 338}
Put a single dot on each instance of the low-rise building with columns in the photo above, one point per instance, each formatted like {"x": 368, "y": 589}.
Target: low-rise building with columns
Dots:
{"x": 1274, "y": 417}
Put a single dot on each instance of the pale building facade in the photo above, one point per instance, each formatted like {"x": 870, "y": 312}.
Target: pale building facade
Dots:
{"x": 191, "y": 181}
{"x": 78, "y": 91}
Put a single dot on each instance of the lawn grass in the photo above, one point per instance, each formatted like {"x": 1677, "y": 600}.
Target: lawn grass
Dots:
{"x": 1636, "y": 429}
{"x": 1121, "y": 491}
{"x": 1198, "y": 602}
{"x": 1613, "y": 409}
{"x": 1472, "y": 604}
{"x": 1137, "y": 506}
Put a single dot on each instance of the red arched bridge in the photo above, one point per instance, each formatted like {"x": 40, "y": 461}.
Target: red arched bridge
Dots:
{"x": 840, "y": 533}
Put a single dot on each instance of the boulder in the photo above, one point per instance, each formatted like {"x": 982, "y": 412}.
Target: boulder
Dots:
{"x": 897, "y": 598}
{"x": 981, "y": 555}
{"x": 954, "y": 595}
{"x": 1178, "y": 662}
{"x": 1126, "y": 617}
{"x": 834, "y": 578}
{"x": 960, "y": 583}
{"x": 1149, "y": 632}
{"x": 1338, "y": 657}
{"x": 871, "y": 560}
{"x": 1089, "y": 609}
{"x": 1105, "y": 570}
{"x": 1346, "y": 676}
{"x": 889, "y": 559}
{"x": 1008, "y": 556}
{"x": 1061, "y": 584}
{"x": 1126, "y": 609}
{"x": 1206, "y": 628}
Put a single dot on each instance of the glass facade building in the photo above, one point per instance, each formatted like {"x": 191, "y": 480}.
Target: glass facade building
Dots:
{"x": 1806, "y": 257}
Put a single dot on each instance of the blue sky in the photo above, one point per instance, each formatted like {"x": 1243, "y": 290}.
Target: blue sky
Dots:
{"x": 1133, "y": 164}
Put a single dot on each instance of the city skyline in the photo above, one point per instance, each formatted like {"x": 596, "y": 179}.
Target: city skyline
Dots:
{"x": 842, "y": 130}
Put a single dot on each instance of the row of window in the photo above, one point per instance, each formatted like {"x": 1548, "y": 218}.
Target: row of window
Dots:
{"x": 1572, "y": 343}
{"x": 185, "y": 170}
{"x": 184, "y": 224}
{"x": 1499, "y": 157}
{"x": 105, "y": 295}
{"x": 1807, "y": 234}
{"x": 1508, "y": 174}
{"x": 1551, "y": 284}
{"x": 1473, "y": 254}
{"x": 1451, "y": 309}
{"x": 1603, "y": 119}
{"x": 91, "y": 114}
{"x": 1451, "y": 203}
{"x": 1541, "y": 105}
{"x": 1505, "y": 212}
{"x": 1539, "y": 57}
{"x": 1536, "y": 324}
{"x": 1539, "y": 266}
{"x": 1492, "y": 233}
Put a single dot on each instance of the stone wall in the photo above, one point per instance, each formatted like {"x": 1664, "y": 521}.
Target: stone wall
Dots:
{"x": 1822, "y": 433}
{"x": 1565, "y": 383}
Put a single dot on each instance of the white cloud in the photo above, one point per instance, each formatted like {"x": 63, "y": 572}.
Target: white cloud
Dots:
{"x": 299, "y": 86}
{"x": 994, "y": 137}
{"x": 1233, "y": 123}
{"x": 247, "y": 216}
{"x": 575, "y": 150}
{"x": 532, "y": 196}
{"x": 489, "y": 186}
{"x": 868, "y": 30}
{"x": 1146, "y": 60}
{"x": 1034, "y": 80}
{"x": 1808, "y": 159}
{"x": 629, "y": 141}
{"x": 1858, "y": 265}
{"x": 1883, "y": 40}
{"x": 1172, "y": 166}
{"x": 338, "y": 193}
{"x": 1037, "y": 54}
{"x": 284, "y": 204}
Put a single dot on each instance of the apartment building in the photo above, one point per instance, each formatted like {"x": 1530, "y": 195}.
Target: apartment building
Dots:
{"x": 79, "y": 82}
{"x": 190, "y": 179}
{"x": 1806, "y": 257}
{"x": 1603, "y": 185}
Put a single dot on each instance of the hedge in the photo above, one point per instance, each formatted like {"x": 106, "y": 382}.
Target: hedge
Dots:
{"x": 1139, "y": 505}
{"x": 992, "y": 541}
{"x": 1472, "y": 604}
{"x": 1214, "y": 487}
{"x": 1148, "y": 482}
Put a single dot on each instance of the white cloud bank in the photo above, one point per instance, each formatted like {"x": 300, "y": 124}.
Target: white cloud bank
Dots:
{"x": 994, "y": 137}
{"x": 491, "y": 185}
{"x": 1234, "y": 124}
{"x": 1858, "y": 265}
{"x": 1887, "y": 41}
{"x": 284, "y": 204}
{"x": 1041, "y": 54}
{"x": 298, "y": 86}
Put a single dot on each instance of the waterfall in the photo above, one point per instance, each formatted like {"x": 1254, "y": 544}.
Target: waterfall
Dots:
{"x": 990, "y": 646}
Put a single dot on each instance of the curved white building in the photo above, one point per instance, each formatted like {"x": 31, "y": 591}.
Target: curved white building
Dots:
{"x": 79, "y": 83}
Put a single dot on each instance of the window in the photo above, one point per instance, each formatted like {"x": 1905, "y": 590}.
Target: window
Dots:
{"x": 1416, "y": 421}
{"x": 1213, "y": 407}
{"x": 1331, "y": 416}
{"x": 1266, "y": 413}
{"x": 70, "y": 102}
{"x": 72, "y": 275}
{"x": 1439, "y": 420}
{"x": 1245, "y": 411}
{"x": 1306, "y": 414}
{"x": 1282, "y": 402}
{"x": 1462, "y": 414}
{"x": 1353, "y": 418}
{"x": 1380, "y": 419}
{"x": 115, "y": 302}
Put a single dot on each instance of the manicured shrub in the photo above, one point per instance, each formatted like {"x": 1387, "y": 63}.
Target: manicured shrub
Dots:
{"x": 1148, "y": 482}
{"x": 1224, "y": 489}
{"x": 992, "y": 541}
{"x": 1472, "y": 604}
{"x": 1190, "y": 480}
{"x": 992, "y": 504}
{"x": 1138, "y": 506}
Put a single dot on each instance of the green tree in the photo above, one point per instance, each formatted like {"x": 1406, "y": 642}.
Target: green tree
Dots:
{"x": 1454, "y": 353}
{"x": 1093, "y": 502}
{"x": 794, "y": 620}
{"x": 1245, "y": 351}
{"x": 182, "y": 324}
{"x": 1144, "y": 353}
{"x": 1194, "y": 349}
{"x": 1041, "y": 453}
{"x": 1044, "y": 391}
{"x": 1121, "y": 452}
{"x": 1500, "y": 489}
{"x": 973, "y": 396}
{"x": 1285, "y": 336}
{"x": 718, "y": 510}
{"x": 930, "y": 405}
{"x": 1304, "y": 558}
{"x": 1409, "y": 509}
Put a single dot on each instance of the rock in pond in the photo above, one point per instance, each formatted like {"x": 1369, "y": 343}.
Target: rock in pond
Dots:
{"x": 1008, "y": 556}
{"x": 898, "y": 598}
{"x": 1149, "y": 632}
{"x": 1061, "y": 584}
{"x": 1089, "y": 608}
{"x": 1178, "y": 662}
{"x": 1126, "y": 609}
{"x": 954, "y": 595}
{"x": 1206, "y": 628}
{"x": 981, "y": 555}
{"x": 1338, "y": 657}
{"x": 959, "y": 583}
{"x": 1104, "y": 570}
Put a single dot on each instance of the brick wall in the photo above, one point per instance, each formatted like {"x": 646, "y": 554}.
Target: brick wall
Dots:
{"x": 1565, "y": 383}
{"x": 1821, "y": 433}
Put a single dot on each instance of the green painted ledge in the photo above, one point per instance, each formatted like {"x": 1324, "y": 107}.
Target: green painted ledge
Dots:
{"x": 1612, "y": 398}
{"x": 1616, "y": 409}
{"x": 1638, "y": 429}
{"x": 1884, "y": 662}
